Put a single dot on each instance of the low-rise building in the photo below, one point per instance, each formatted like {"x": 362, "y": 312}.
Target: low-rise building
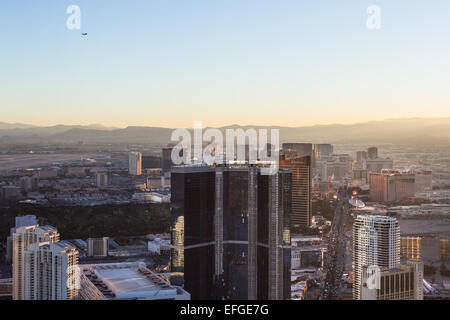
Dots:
{"x": 410, "y": 247}
{"x": 9, "y": 193}
{"x": 299, "y": 290}
{"x": 79, "y": 172}
{"x": 404, "y": 282}
{"x": 159, "y": 246}
{"x": 101, "y": 179}
{"x": 97, "y": 247}
{"x": 48, "y": 173}
{"x": 126, "y": 281}
{"x": 6, "y": 288}
{"x": 307, "y": 252}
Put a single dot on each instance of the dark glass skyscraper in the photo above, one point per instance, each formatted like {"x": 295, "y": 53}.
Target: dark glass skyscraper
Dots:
{"x": 244, "y": 240}
{"x": 192, "y": 229}
{"x": 274, "y": 236}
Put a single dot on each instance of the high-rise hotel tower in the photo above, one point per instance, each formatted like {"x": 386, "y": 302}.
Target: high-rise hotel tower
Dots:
{"x": 376, "y": 242}
{"x": 301, "y": 169}
{"x": 231, "y": 231}
{"x": 51, "y": 271}
{"x": 22, "y": 239}
{"x": 135, "y": 163}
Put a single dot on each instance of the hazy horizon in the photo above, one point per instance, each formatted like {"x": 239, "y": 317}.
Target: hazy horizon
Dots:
{"x": 226, "y": 125}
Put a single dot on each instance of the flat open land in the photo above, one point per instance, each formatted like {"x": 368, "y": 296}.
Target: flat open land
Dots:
{"x": 431, "y": 230}
{"x": 432, "y": 226}
{"x": 10, "y": 162}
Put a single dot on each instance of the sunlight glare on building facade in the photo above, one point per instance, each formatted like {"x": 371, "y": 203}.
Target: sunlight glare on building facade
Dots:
{"x": 301, "y": 169}
{"x": 135, "y": 163}
{"x": 51, "y": 271}
{"x": 22, "y": 239}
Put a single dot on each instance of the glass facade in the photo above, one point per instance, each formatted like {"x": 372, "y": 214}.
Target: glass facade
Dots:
{"x": 235, "y": 233}
{"x": 231, "y": 232}
{"x": 192, "y": 231}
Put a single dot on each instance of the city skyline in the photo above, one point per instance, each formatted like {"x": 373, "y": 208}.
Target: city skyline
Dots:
{"x": 240, "y": 150}
{"x": 226, "y": 231}
{"x": 168, "y": 64}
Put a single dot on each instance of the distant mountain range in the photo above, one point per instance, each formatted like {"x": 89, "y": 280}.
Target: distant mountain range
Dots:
{"x": 422, "y": 131}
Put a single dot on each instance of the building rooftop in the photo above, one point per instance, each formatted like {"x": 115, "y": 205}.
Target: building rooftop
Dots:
{"x": 131, "y": 281}
{"x": 377, "y": 218}
{"x": 48, "y": 228}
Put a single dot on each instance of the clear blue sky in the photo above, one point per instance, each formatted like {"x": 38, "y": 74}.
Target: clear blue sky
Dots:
{"x": 170, "y": 62}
